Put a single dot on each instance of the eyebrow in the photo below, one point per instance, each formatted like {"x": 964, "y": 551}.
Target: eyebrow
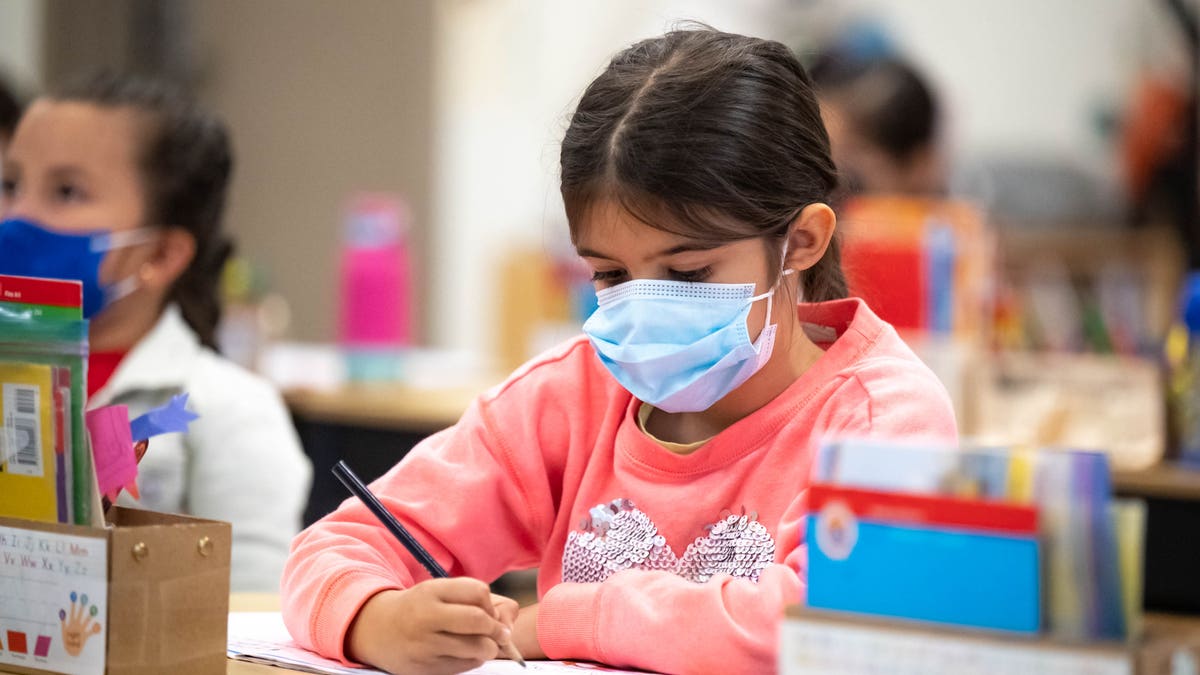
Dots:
{"x": 681, "y": 248}
{"x": 69, "y": 170}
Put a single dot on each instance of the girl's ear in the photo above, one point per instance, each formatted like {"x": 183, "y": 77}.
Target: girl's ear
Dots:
{"x": 809, "y": 236}
{"x": 172, "y": 256}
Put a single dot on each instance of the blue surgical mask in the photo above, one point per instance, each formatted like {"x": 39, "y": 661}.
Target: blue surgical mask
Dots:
{"x": 30, "y": 249}
{"x": 679, "y": 346}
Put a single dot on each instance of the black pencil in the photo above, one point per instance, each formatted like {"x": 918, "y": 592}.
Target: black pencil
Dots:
{"x": 359, "y": 489}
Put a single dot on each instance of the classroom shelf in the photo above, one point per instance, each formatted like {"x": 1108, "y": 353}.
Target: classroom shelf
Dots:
{"x": 1165, "y": 481}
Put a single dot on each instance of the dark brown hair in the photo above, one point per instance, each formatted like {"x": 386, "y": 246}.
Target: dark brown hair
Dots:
{"x": 186, "y": 162}
{"x": 10, "y": 111}
{"x": 707, "y": 135}
{"x": 887, "y": 100}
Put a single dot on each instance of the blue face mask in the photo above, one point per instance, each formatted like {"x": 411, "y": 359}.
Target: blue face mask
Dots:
{"x": 29, "y": 249}
{"x": 679, "y": 346}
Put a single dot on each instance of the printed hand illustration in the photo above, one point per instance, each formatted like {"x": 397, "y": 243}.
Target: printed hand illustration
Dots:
{"x": 79, "y": 625}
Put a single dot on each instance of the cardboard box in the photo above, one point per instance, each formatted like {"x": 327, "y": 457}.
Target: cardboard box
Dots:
{"x": 149, "y": 594}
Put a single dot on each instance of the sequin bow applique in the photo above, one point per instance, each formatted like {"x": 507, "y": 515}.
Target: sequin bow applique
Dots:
{"x": 619, "y": 536}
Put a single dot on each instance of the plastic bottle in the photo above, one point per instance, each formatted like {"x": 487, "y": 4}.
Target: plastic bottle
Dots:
{"x": 376, "y": 318}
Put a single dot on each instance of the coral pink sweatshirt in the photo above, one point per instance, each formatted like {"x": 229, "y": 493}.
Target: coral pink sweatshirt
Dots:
{"x": 650, "y": 559}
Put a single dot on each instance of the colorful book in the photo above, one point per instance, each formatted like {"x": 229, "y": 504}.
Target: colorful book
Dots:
{"x": 63, "y": 443}
{"x": 1071, "y": 489}
{"x": 921, "y": 264}
{"x": 927, "y": 558}
{"x": 1130, "y": 518}
{"x": 42, "y": 298}
{"x": 28, "y": 465}
{"x": 41, "y": 321}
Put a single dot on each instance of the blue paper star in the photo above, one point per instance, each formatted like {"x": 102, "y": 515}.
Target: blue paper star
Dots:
{"x": 172, "y": 417}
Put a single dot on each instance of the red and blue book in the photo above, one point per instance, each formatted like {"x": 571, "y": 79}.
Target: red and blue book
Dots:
{"x": 925, "y": 557}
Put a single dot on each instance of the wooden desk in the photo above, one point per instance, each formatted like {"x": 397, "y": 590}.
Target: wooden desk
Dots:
{"x": 391, "y": 406}
{"x": 1167, "y": 480}
{"x": 254, "y": 602}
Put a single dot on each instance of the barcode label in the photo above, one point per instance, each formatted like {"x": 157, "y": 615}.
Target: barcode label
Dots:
{"x": 23, "y": 429}
{"x": 26, "y": 400}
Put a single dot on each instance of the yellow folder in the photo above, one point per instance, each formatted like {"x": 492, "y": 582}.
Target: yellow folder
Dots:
{"x": 28, "y": 474}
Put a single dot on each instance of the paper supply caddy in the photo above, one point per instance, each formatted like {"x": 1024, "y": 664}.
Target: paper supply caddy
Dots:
{"x": 984, "y": 560}
{"x": 84, "y": 591}
{"x": 144, "y": 595}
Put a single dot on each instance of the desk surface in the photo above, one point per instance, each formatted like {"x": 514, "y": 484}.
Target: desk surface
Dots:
{"x": 1162, "y": 625}
{"x": 385, "y": 405}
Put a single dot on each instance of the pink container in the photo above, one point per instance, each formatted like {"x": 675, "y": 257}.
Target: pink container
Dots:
{"x": 376, "y": 308}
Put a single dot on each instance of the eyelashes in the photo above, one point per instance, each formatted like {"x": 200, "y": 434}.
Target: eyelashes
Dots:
{"x": 696, "y": 275}
{"x": 614, "y": 276}
{"x": 607, "y": 276}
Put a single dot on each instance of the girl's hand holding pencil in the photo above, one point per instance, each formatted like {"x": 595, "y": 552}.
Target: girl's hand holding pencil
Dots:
{"x": 441, "y": 625}
{"x": 436, "y": 626}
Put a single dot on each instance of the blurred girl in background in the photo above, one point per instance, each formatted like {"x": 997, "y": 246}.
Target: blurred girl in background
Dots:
{"x": 120, "y": 183}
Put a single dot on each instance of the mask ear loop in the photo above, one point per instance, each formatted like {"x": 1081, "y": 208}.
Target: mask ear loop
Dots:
{"x": 770, "y": 294}
{"x": 122, "y": 288}
{"x": 122, "y": 239}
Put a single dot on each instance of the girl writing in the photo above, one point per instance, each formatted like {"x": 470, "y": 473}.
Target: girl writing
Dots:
{"x": 654, "y": 469}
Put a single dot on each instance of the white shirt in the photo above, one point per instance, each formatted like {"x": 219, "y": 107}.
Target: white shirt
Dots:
{"x": 240, "y": 462}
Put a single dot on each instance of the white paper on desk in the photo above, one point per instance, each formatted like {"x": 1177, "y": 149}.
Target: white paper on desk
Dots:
{"x": 261, "y": 637}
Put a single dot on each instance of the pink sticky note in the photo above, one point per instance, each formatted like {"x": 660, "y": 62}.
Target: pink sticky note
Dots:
{"x": 112, "y": 448}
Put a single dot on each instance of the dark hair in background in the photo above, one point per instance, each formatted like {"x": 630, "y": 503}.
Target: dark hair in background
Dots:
{"x": 186, "y": 162}
{"x": 708, "y": 135}
{"x": 885, "y": 98}
{"x": 10, "y": 111}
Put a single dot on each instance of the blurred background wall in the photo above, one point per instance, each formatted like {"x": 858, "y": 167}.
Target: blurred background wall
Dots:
{"x": 21, "y": 42}
{"x": 324, "y": 102}
{"x": 324, "y": 99}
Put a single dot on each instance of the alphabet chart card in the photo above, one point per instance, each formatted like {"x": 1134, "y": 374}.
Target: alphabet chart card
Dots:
{"x": 53, "y": 601}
